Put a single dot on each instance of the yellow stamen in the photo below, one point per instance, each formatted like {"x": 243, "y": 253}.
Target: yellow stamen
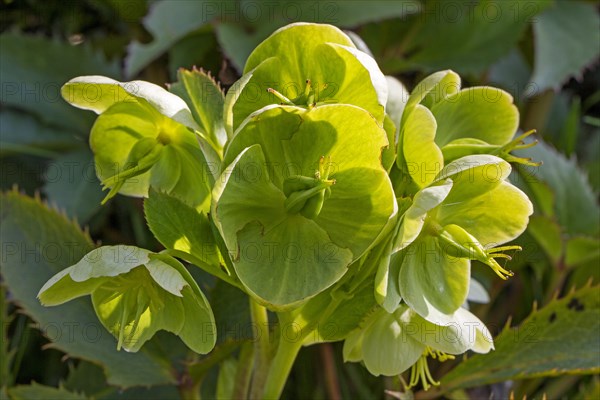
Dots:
{"x": 419, "y": 372}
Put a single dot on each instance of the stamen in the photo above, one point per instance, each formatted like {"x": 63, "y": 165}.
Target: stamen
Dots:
{"x": 419, "y": 372}
{"x": 495, "y": 253}
{"x": 428, "y": 378}
{"x": 501, "y": 272}
{"x": 308, "y": 88}
{"x": 504, "y": 248}
{"x": 439, "y": 355}
{"x": 284, "y": 100}
{"x": 518, "y": 144}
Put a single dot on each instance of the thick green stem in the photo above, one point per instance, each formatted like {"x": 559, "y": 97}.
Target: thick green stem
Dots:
{"x": 288, "y": 348}
{"x": 281, "y": 366}
{"x": 260, "y": 321}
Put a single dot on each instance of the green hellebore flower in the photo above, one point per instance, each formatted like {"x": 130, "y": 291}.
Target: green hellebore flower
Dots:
{"x": 303, "y": 196}
{"x": 143, "y": 137}
{"x": 390, "y": 343}
{"x": 442, "y": 123}
{"x": 465, "y": 214}
{"x": 136, "y": 293}
{"x": 306, "y": 64}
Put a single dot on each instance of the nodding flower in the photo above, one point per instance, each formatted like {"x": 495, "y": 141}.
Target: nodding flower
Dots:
{"x": 136, "y": 293}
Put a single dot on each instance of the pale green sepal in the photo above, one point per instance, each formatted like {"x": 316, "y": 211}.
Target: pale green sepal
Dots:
{"x": 484, "y": 341}
{"x": 414, "y": 218}
{"x": 239, "y": 199}
{"x": 491, "y": 169}
{"x": 166, "y": 276}
{"x": 431, "y": 282}
{"x": 377, "y": 80}
{"x": 494, "y": 217}
{"x": 62, "y": 288}
{"x": 109, "y": 261}
{"x": 387, "y": 290}
{"x": 423, "y": 158}
{"x": 451, "y": 338}
{"x": 432, "y": 89}
{"x": 483, "y": 112}
{"x": 352, "y": 351}
{"x": 98, "y": 93}
{"x": 387, "y": 348}
{"x": 294, "y": 42}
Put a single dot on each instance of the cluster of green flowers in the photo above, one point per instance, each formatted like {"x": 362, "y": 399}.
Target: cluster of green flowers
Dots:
{"x": 340, "y": 182}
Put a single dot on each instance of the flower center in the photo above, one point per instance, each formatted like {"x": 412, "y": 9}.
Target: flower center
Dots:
{"x": 308, "y": 98}
{"x": 306, "y": 195}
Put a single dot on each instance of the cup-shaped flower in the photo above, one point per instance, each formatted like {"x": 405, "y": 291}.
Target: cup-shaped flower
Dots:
{"x": 143, "y": 137}
{"x": 306, "y": 65}
{"x": 465, "y": 214}
{"x": 303, "y": 196}
{"x": 390, "y": 343}
{"x": 442, "y": 123}
{"x": 136, "y": 293}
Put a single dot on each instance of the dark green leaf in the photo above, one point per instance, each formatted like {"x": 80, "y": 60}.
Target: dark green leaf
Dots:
{"x": 34, "y": 69}
{"x": 512, "y": 73}
{"x": 238, "y": 44}
{"x": 561, "y": 338}
{"x": 86, "y": 378}
{"x": 167, "y": 21}
{"x": 36, "y": 391}
{"x": 238, "y": 40}
{"x": 457, "y": 35}
{"x": 71, "y": 185}
{"x": 575, "y": 204}
{"x": 196, "y": 49}
{"x": 354, "y": 13}
{"x": 23, "y": 133}
{"x": 569, "y": 29}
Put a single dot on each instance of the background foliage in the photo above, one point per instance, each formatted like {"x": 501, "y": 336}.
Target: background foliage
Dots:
{"x": 544, "y": 52}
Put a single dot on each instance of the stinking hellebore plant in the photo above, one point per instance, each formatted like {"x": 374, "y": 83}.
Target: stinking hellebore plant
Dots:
{"x": 316, "y": 188}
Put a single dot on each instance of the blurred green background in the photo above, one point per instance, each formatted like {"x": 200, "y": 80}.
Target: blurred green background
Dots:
{"x": 543, "y": 52}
